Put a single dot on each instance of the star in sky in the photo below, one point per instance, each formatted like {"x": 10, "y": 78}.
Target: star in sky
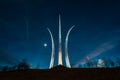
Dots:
{"x": 45, "y": 45}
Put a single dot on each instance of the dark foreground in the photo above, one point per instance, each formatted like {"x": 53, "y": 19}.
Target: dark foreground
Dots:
{"x": 62, "y": 73}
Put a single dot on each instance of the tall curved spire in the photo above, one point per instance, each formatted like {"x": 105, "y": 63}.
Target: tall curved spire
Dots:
{"x": 53, "y": 50}
{"x": 59, "y": 45}
{"x": 66, "y": 47}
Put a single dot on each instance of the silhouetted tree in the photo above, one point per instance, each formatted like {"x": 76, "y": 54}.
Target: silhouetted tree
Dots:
{"x": 37, "y": 66}
{"x": 23, "y": 65}
{"x": 90, "y": 63}
{"x": 80, "y": 66}
{"x": 118, "y": 61}
{"x": 112, "y": 64}
{"x": 5, "y": 68}
{"x": 106, "y": 62}
{"x": 14, "y": 67}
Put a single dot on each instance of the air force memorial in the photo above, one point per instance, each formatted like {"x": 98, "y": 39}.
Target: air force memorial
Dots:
{"x": 60, "y": 61}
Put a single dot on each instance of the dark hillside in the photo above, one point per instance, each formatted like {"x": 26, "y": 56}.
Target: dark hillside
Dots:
{"x": 62, "y": 73}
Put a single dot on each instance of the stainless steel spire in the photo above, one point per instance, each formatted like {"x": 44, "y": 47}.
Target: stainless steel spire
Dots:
{"x": 59, "y": 45}
{"x": 53, "y": 50}
{"x": 66, "y": 48}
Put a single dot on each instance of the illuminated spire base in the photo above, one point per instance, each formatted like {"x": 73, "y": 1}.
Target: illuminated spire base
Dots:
{"x": 59, "y": 58}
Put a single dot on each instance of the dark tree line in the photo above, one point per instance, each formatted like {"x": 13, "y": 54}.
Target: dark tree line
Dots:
{"x": 23, "y": 65}
{"x": 103, "y": 63}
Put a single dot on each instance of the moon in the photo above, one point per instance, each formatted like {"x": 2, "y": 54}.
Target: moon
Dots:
{"x": 45, "y": 45}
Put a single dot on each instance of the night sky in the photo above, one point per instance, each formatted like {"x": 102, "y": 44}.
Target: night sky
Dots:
{"x": 23, "y": 33}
